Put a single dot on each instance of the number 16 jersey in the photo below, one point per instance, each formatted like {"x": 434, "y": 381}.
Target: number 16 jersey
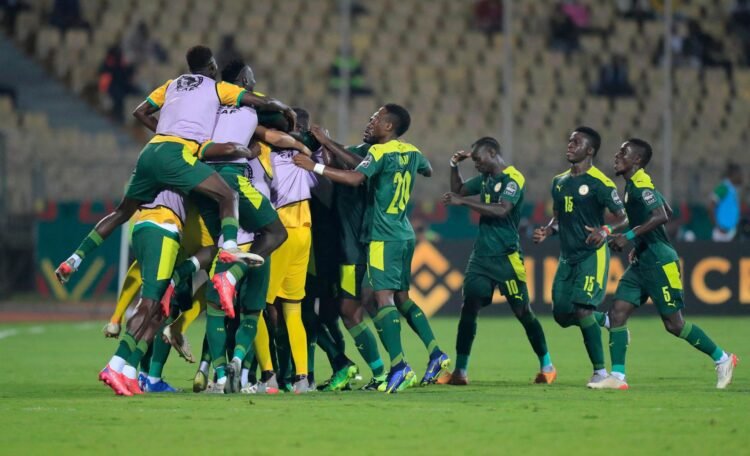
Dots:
{"x": 391, "y": 170}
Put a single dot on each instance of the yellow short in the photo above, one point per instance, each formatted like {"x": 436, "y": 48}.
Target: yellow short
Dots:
{"x": 289, "y": 266}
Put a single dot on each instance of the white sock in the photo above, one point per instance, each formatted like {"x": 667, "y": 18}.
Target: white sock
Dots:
{"x": 724, "y": 357}
{"x": 76, "y": 260}
{"x": 229, "y": 245}
{"x": 231, "y": 278}
{"x": 116, "y": 364}
{"x": 204, "y": 367}
{"x": 129, "y": 372}
{"x": 243, "y": 377}
{"x": 221, "y": 380}
{"x": 606, "y": 320}
{"x": 153, "y": 380}
{"x": 602, "y": 372}
{"x": 618, "y": 375}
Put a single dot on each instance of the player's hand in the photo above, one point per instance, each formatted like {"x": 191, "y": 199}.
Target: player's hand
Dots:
{"x": 617, "y": 242}
{"x": 540, "y": 234}
{"x": 451, "y": 199}
{"x": 460, "y": 156}
{"x": 319, "y": 133}
{"x": 243, "y": 151}
{"x": 597, "y": 236}
{"x": 304, "y": 162}
{"x": 631, "y": 256}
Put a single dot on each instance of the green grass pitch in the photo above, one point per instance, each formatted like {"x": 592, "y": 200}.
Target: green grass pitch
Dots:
{"x": 51, "y": 401}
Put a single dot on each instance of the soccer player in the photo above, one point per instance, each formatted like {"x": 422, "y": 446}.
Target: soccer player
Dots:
{"x": 580, "y": 196}
{"x": 390, "y": 168}
{"x": 497, "y": 260}
{"x": 350, "y": 204}
{"x": 654, "y": 271}
{"x": 188, "y": 107}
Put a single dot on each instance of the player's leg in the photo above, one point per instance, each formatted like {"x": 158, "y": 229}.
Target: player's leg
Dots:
{"x": 262, "y": 344}
{"x": 160, "y": 353}
{"x": 130, "y": 288}
{"x": 200, "y": 381}
{"x": 311, "y": 323}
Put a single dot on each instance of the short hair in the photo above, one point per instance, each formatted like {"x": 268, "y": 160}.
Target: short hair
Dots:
{"x": 487, "y": 141}
{"x": 593, "y": 136}
{"x": 303, "y": 117}
{"x": 198, "y": 57}
{"x": 232, "y": 70}
{"x": 400, "y": 117}
{"x": 644, "y": 150}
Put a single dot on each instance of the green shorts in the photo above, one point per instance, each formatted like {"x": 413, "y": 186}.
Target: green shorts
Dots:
{"x": 165, "y": 165}
{"x": 351, "y": 278}
{"x": 389, "y": 265}
{"x": 251, "y": 290}
{"x": 156, "y": 251}
{"x": 660, "y": 282}
{"x": 581, "y": 284}
{"x": 255, "y": 211}
{"x": 507, "y": 273}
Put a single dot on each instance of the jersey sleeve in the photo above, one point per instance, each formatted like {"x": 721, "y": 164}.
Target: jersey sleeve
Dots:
{"x": 423, "y": 164}
{"x": 719, "y": 192}
{"x": 511, "y": 192}
{"x": 609, "y": 197}
{"x": 651, "y": 199}
{"x": 229, "y": 94}
{"x": 473, "y": 186}
{"x": 159, "y": 95}
{"x": 370, "y": 166}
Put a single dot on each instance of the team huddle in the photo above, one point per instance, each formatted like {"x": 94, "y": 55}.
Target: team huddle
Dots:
{"x": 242, "y": 208}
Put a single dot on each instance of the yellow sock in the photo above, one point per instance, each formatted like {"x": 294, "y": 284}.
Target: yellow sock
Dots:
{"x": 297, "y": 335}
{"x": 129, "y": 289}
{"x": 262, "y": 346}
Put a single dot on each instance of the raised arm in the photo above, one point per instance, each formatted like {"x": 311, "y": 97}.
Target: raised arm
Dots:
{"x": 338, "y": 152}
{"x": 280, "y": 139}
{"x": 262, "y": 102}
{"x": 457, "y": 181}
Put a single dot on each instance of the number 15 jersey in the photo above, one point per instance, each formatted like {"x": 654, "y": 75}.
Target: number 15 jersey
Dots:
{"x": 391, "y": 170}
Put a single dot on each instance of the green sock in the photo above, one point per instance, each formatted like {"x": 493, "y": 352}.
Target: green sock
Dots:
{"x": 368, "y": 347}
{"x": 205, "y": 353}
{"x": 334, "y": 329}
{"x": 238, "y": 270}
{"x": 126, "y": 346}
{"x": 700, "y": 340}
{"x": 229, "y": 228}
{"x": 388, "y": 324}
{"x": 217, "y": 339}
{"x": 183, "y": 271}
{"x": 140, "y": 349}
{"x": 618, "y": 347}
{"x": 419, "y": 324}
{"x": 245, "y": 335}
{"x": 160, "y": 352}
{"x": 535, "y": 334}
{"x": 327, "y": 344}
{"x": 601, "y": 318}
{"x": 592, "y": 339}
{"x": 89, "y": 244}
{"x": 312, "y": 325}
{"x": 467, "y": 330}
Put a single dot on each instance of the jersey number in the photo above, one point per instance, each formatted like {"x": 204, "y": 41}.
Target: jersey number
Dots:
{"x": 568, "y": 204}
{"x": 589, "y": 283}
{"x": 667, "y": 294}
{"x": 512, "y": 286}
{"x": 402, "y": 182}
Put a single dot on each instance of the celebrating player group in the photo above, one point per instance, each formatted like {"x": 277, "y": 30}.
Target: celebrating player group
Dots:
{"x": 243, "y": 209}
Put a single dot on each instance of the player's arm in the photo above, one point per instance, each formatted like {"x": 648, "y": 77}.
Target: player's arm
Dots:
{"x": 457, "y": 181}
{"x": 338, "y": 152}
{"x": 542, "y": 233}
{"x": 424, "y": 168}
{"x": 225, "y": 151}
{"x": 598, "y": 235}
{"x": 340, "y": 176}
{"x": 153, "y": 103}
{"x": 262, "y": 102}
{"x": 280, "y": 139}
{"x": 495, "y": 210}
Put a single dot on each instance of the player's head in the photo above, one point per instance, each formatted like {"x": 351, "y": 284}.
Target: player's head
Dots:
{"x": 303, "y": 119}
{"x": 734, "y": 173}
{"x": 485, "y": 153}
{"x": 633, "y": 154}
{"x": 388, "y": 122}
{"x": 200, "y": 60}
{"x": 237, "y": 72}
{"x": 583, "y": 143}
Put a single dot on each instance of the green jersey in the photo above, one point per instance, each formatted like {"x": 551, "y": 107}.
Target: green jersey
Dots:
{"x": 498, "y": 236}
{"x": 350, "y": 208}
{"x": 579, "y": 201}
{"x": 640, "y": 199}
{"x": 391, "y": 170}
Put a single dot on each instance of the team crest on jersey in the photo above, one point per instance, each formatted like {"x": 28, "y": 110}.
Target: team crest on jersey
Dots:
{"x": 228, "y": 110}
{"x": 188, "y": 82}
{"x": 511, "y": 188}
{"x": 366, "y": 162}
{"x": 616, "y": 197}
{"x": 498, "y": 186}
{"x": 583, "y": 190}
{"x": 649, "y": 197}
{"x": 626, "y": 197}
